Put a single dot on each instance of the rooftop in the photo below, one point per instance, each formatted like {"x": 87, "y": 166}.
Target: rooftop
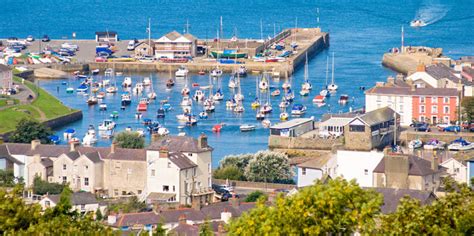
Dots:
{"x": 291, "y": 123}
{"x": 417, "y": 166}
{"x": 77, "y": 198}
{"x": 392, "y": 197}
{"x": 315, "y": 163}
{"x": 4, "y": 68}
{"x": 179, "y": 144}
{"x": 407, "y": 91}
{"x": 378, "y": 116}
{"x": 181, "y": 160}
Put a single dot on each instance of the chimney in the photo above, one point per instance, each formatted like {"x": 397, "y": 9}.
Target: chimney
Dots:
{"x": 196, "y": 204}
{"x": 202, "y": 141}
{"x": 112, "y": 147}
{"x": 225, "y": 216}
{"x": 36, "y": 158}
{"x": 379, "y": 84}
{"x": 72, "y": 146}
{"x": 182, "y": 219}
{"x": 35, "y": 143}
{"x": 234, "y": 201}
{"x": 164, "y": 153}
{"x": 434, "y": 164}
{"x": 111, "y": 219}
{"x": 391, "y": 80}
{"x": 421, "y": 67}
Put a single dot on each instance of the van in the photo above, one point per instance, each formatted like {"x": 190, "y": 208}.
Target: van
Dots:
{"x": 131, "y": 45}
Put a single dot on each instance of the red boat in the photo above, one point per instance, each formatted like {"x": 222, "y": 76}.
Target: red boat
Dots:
{"x": 195, "y": 85}
{"x": 271, "y": 60}
{"x": 319, "y": 99}
{"x": 217, "y": 128}
{"x": 142, "y": 105}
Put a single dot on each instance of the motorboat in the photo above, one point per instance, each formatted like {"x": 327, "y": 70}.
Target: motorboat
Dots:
{"x": 181, "y": 72}
{"x": 267, "y": 108}
{"x": 151, "y": 95}
{"x": 306, "y": 86}
{"x": 146, "y": 81}
{"x": 127, "y": 82}
{"x": 140, "y": 132}
{"x": 284, "y": 103}
{"x": 92, "y": 100}
{"x": 286, "y": 85}
{"x": 147, "y": 121}
{"x": 210, "y": 108}
{"x": 114, "y": 115}
{"x": 54, "y": 139}
{"x": 276, "y": 93}
{"x": 95, "y": 71}
{"x": 142, "y": 104}
{"x": 260, "y": 116}
{"x": 232, "y": 84}
{"x": 298, "y": 110}
{"x": 101, "y": 95}
{"x": 69, "y": 133}
{"x": 138, "y": 115}
{"x": 160, "y": 113}
{"x": 218, "y": 96}
{"x": 216, "y": 72}
{"x": 185, "y": 91}
{"x": 126, "y": 99}
{"x": 247, "y": 127}
{"x": 104, "y": 83}
{"x": 460, "y": 144}
{"x": 89, "y": 139}
{"x": 102, "y": 106}
{"x": 162, "y": 131}
{"x": 255, "y": 104}
{"x": 107, "y": 125}
{"x": 434, "y": 144}
{"x": 266, "y": 123}
{"x": 74, "y": 141}
{"x": 414, "y": 144}
{"x": 138, "y": 88}
{"x": 324, "y": 93}
{"x": 167, "y": 106}
{"x": 119, "y": 73}
{"x": 109, "y": 72}
{"x": 111, "y": 89}
{"x": 343, "y": 99}
{"x": 186, "y": 101}
{"x": 191, "y": 121}
{"x": 284, "y": 116}
{"x": 417, "y": 23}
{"x": 217, "y": 128}
{"x": 242, "y": 72}
{"x": 304, "y": 92}
{"x": 199, "y": 95}
{"x": 319, "y": 99}
{"x": 170, "y": 83}
{"x": 203, "y": 115}
{"x": 82, "y": 88}
{"x": 70, "y": 90}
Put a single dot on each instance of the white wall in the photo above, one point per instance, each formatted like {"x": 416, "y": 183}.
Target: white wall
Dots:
{"x": 164, "y": 175}
{"x": 310, "y": 176}
{"x": 352, "y": 165}
{"x": 456, "y": 170}
{"x": 401, "y": 104}
{"x": 204, "y": 169}
{"x": 424, "y": 77}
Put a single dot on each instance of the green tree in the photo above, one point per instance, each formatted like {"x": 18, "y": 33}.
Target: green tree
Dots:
{"x": 254, "y": 196}
{"x": 131, "y": 205}
{"x": 7, "y": 178}
{"x": 239, "y": 161}
{"x": 128, "y": 139}
{"x": 42, "y": 187}
{"x": 267, "y": 166}
{"x": 159, "y": 230}
{"x": 98, "y": 215}
{"x": 28, "y": 130}
{"x": 15, "y": 215}
{"x": 338, "y": 206}
{"x": 467, "y": 106}
{"x": 205, "y": 229}
{"x": 229, "y": 172}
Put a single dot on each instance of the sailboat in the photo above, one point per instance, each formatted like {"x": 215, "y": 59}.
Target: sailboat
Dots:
{"x": 238, "y": 96}
{"x": 185, "y": 91}
{"x": 256, "y": 103}
{"x": 219, "y": 95}
{"x": 209, "y": 102}
{"x": 151, "y": 95}
{"x": 332, "y": 87}
{"x": 112, "y": 89}
{"x": 306, "y": 86}
{"x": 263, "y": 85}
{"x": 92, "y": 100}
{"x": 324, "y": 92}
{"x": 267, "y": 107}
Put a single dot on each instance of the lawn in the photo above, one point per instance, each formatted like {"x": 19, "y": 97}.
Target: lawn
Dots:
{"x": 45, "y": 102}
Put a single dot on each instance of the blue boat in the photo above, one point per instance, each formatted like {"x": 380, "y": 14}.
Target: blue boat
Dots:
{"x": 298, "y": 110}
{"x": 167, "y": 106}
{"x": 54, "y": 139}
{"x": 69, "y": 133}
{"x": 82, "y": 88}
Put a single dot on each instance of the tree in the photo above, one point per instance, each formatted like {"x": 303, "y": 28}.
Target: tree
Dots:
{"x": 229, "y": 172}
{"x": 131, "y": 205}
{"x": 7, "y": 178}
{"x": 267, "y": 166}
{"x": 128, "y": 139}
{"x": 239, "y": 161}
{"x": 98, "y": 215}
{"x": 467, "y": 105}
{"x": 28, "y": 130}
{"x": 254, "y": 196}
{"x": 42, "y": 187}
{"x": 205, "y": 229}
{"x": 159, "y": 231}
{"x": 321, "y": 209}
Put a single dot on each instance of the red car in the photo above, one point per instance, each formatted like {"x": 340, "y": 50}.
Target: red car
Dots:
{"x": 100, "y": 59}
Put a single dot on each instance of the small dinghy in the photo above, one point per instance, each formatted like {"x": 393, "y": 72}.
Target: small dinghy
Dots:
{"x": 247, "y": 127}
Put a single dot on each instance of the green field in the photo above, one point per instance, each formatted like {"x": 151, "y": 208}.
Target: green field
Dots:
{"x": 45, "y": 107}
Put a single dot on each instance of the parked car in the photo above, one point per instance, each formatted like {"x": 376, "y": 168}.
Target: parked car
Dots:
{"x": 226, "y": 196}
{"x": 423, "y": 127}
{"x": 12, "y": 39}
{"x": 441, "y": 127}
{"x": 452, "y": 128}
{"x": 70, "y": 46}
{"x": 30, "y": 38}
{"x": 100, "y": 59}
{"x": 45, "y": 38}
{"x": 132, "y": 44}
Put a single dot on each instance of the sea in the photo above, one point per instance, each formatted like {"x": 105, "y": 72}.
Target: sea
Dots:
{"x": 360, "y": 32}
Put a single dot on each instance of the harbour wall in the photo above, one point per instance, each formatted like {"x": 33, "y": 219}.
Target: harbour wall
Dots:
{"x": 279, "y": 142}
{"x": 447, "y": 137}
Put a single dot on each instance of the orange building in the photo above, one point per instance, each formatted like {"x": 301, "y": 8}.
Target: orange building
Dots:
{"x": 435, "y": 109}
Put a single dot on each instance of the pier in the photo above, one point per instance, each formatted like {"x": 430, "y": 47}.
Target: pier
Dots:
{"x": 406, "y": 60}
{"x": 309, "y": 40}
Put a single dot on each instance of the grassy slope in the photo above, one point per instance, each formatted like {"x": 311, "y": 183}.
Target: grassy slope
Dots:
{"x": 47, "y": 103}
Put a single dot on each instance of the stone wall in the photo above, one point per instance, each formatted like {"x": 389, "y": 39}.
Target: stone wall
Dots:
{"x": 63, "y": 120}
{"x": 279, "y": 142}
{"x": 255, "y": 185}
{"x": 406, "y": 136}
{"x": 360, "y": 141}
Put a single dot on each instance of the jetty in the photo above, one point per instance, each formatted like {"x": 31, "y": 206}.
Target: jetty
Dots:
{"x": 408, "y": 58}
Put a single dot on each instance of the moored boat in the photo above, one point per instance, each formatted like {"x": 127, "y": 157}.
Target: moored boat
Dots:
{"x": 247, "y": 127}
{"x": 298, "y": 110}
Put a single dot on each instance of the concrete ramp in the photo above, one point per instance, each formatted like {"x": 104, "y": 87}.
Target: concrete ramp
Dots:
{"x": 49, "y": 73}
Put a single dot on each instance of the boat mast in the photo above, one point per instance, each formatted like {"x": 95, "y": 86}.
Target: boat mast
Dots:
{"x": 149, "y": 34}
{"x": 306, "y": 74}
{"x": 403, "y": 40}
{"x": 332, "y": 77}
{"x": 296, "y": 28}
{"x": 317, "y": 17}
{"x": 261, "y": 29}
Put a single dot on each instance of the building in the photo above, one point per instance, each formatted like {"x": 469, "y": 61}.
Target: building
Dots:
{"x": 357, "y": 165}
{"x": 186, "y": 163}
{"x": 456, "y": 169}
{"x": 82, "y": 202}
{"x": 470, "y": 171}
{"x": 403, "y": 171}
{"x": 293, "y": 128}
{"x": 144, "y": 49}
{"x": 175, "y": 45}
{"x": 374, "y": 129}
{"x": 392, "y": 197}
{"x": 424, "y": 104}
{"x": 332, "y": 125}
{"x": 106, "y": 36}
{"x": 6, "y": 79}
{"x": 313, "y": 169}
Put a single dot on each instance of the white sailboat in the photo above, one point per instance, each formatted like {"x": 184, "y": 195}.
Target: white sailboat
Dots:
{"x": 324, "y": 92}
{"x": 306, "y": 86}
{"x": 151, "y": 95}
{"x": 238, "y": 96}
{"x": 333, "y": 86}
{"x": 185, "y": 91}
{"x": 256, "y": 103}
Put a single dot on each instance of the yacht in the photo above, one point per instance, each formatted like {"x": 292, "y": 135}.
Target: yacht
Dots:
{"x": 146, "y": 81}
{"x": 160, "y": 113}
{"x": 186, "y": 101}
{"x": 92, "y": 100}
{"x": 107, "y": 125}
{"x": 298, "y": 110}
{"x": 284, "y": 116}
{"x": 142, "y": 104}
{"x": 185, "y": 91}
{"x": 434, "y": 144}
{"x": 126, "y": 99}
{"x": 232, "y": 83}
{"x": 255, "y": 104}
{"x": 102, "y": 106}
{"x": 333, "y": 86}
{"x": 260, "y": 116}
{"x": 216, "y": 72}
{"x": 242, "y": 72}
{"x": 267, "y": 108}
{"x": 460, "y": 145}
{"x": 417, "y": 23}
{"x": 127, "y": 82}
{"x": 263, "y": 85}
{"x": 138, "y": 88}
{"x": 276, "y": 93}
{"x": 231, "y": 103}
{"x": 199, "y": 95}
{"x": 203, "y": 115}
{"x": 181, "y": 72}
{"x": 247, "y": 127}
{"x": 69, "y": 133}
{"x": 239, "y": 108}
{"x": 218, "y": 96}
{"x": 266, "y": 123}
{"x": 109, "y": 72}
{"x": 343, "y": 99}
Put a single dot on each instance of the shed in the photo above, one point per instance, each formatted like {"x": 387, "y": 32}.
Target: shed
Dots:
{"x": 106, "y": 36}
{"x": 293, "y": 128}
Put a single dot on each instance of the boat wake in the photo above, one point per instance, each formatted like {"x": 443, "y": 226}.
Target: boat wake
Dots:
{"x": 430, "y": 14}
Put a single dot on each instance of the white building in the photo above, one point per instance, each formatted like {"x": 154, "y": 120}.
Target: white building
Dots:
{"x": 456, "y": 169}
{"x": 356, "y": 165}
{"x": 313, "y": 169}
{"x": 401, "y": 103}
{"x": 175, "y": 45}
{"x": 82, "y": 202}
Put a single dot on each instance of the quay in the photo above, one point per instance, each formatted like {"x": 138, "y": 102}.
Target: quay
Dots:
{"x": 408, "y": 58}
{"x": 309, "y": 40}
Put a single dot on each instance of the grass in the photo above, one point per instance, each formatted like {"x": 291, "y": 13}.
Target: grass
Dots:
{"x": 50, "y": 106}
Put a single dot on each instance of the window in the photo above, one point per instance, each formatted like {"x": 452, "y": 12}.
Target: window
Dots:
{"x": 400, "y": 110}
{"x": 379, "y": 99}
{"x": 303, "y": 171}
{"x": 422, "y": 109}
{"x": 47, "y": 203}
{"x": 186, "y": 173}
{"x": 190, "y": 154}
{"x": 64, "y": 179}
{"x": 366, "y": 172}
{"x": 129, "y": 171}
{"x": 446, "y": 119}
{"x": 139, "y": 191}
{"x": 64, "y": 166}
{"x": 422, "y": 119}
{"x": 456, "y": 170}
{"x": 152, "y": 172}
{"x": 357, "y": 128}
{"x": 86, "y": 181}
{"x": 116, "y": 192}
{"x": 83, "y": 207}
{"x": 166, "y": 188}
{"x": 86, "y": 167}
{"x": 446, "y": 109}
{"x": 446, "y": 99}
{"x": 118, "y": 165}
{"x": 434, "y": 109}
{"x": 169, "y": 164}
{"x": 194, "y": 171}
{"x": 174, "y": 188}
{"x": 124, "y": 192}
{"x": 400, "y": 100}
{"x": 209, "y": 167}
{"x": 422, "y": 99}
{"x": 434, "y": 99}
{"x": 379, "y": 105}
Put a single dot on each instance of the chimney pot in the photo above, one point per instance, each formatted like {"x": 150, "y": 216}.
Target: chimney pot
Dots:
{"x": 72, "y": 146}
{"x": 112, "y": 147}
{"x": 421, "y": 67}
{"x": 164, "y": 152}
{"x": 35, "y": 143}
{"x": 182, "y": 219}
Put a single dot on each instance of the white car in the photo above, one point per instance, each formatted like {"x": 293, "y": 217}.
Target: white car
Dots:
{"x": 227, "y": 187}
{"x": 131, "y": 45}
{"x": 70, "y": 46}
{"x": 30, "y": 38}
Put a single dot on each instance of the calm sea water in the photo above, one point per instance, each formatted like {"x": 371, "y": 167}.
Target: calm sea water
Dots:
{"x": 361, "y": 31}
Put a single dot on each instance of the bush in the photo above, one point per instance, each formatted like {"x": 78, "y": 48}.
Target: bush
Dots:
{"x": 229, "y": 172}
{"x": 254, "y": 196}
{"x": 28, "y": 130}
{"x": 42, "y": 187}
{"x": 130, "y": 140}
